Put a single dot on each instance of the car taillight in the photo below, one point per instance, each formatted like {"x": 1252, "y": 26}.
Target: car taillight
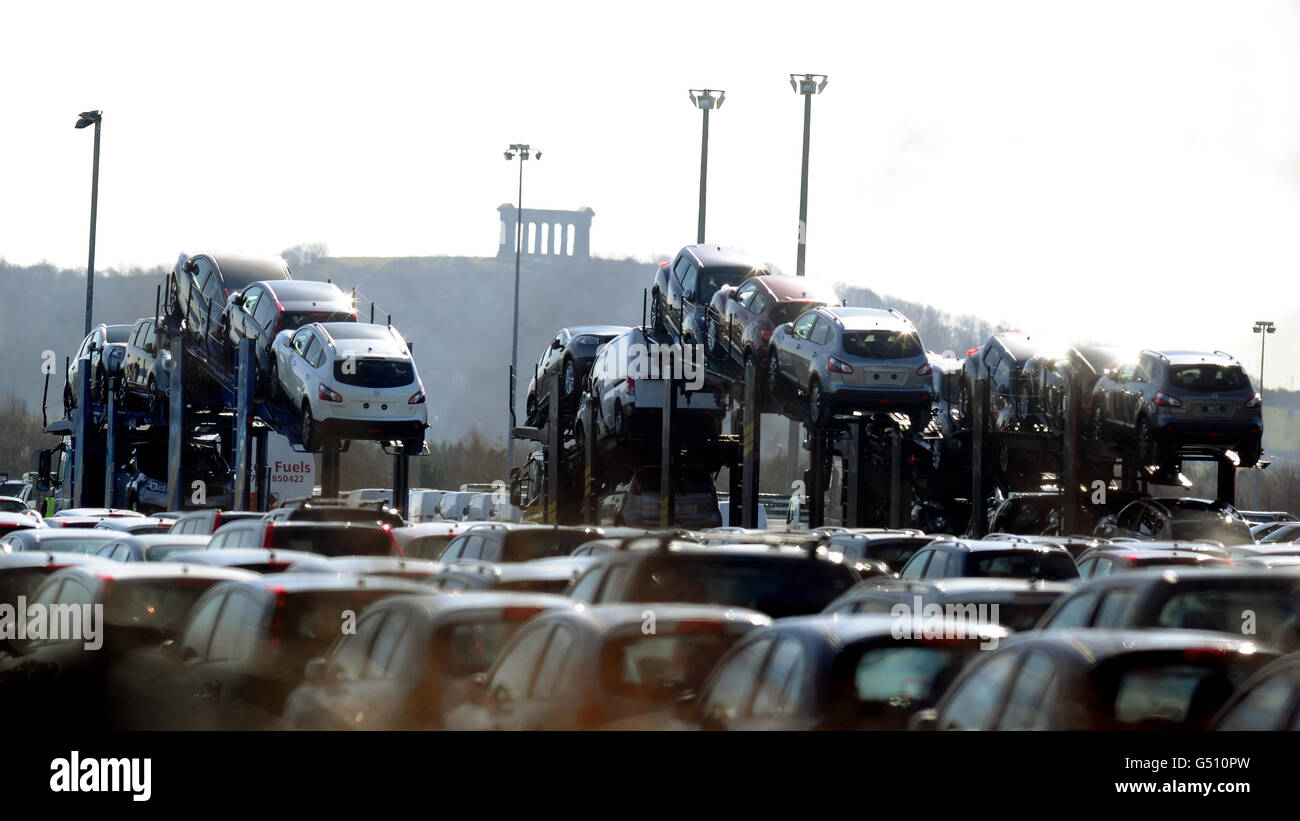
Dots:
{"x": 268, "y": 537}
{"x": 1164, "y": 400}
{"x": 324, "y": 392}
{"x": 1254, "y": 402}
{"x": 695, "y": 626}
{"x": 836, "y": 366}
{"x": 417, "y": 398}
{"x": 1194, "y": 653}
{"x": 924, "y": 370}
{"x": 392, "y": 540}
{"x": 520, "y": 613}
{"x": 631, "y": 388}
{"x": 767, "y": 335}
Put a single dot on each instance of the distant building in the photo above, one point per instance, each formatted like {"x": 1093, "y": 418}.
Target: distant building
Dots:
{"x": 546, "y": 232}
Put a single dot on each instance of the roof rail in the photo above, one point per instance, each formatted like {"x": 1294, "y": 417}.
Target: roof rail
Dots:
{"x": 1156, "y": 354}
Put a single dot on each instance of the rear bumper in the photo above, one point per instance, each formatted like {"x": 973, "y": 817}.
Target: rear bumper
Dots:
{"x": 372, "y": 428}
{"x": 843, "y": 397}
{"x": 1207, "y": 432}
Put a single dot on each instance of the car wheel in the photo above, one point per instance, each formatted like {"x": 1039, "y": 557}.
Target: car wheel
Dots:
{"x": 570, "y": 378}
{"x": 618, "y": 421}
{"x": 1249, "y": 454}
{"x": 1098, "y": 423}
{"x": 773, "y": 372}
{"x": 154, "y": 403}
{"x": 656, "y": 313}
{"x": 713, "y": 340}
{"x": 310, "y": 435}
{"x": 1145, "y": 447}
{"x": 530, "y": 410}
{"x": 816, "y": 403}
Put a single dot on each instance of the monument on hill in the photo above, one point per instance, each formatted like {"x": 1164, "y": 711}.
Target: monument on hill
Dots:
{"x": 547, "y": 232}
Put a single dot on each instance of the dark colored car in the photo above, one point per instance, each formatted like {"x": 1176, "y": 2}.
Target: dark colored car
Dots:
{"x": 1174, "y": 398}
{"x": 1266, "y": 701}
{"x": 136, "y": 527}
{"x": 1000, "y": 360}
{"x": 1260, "y": 605}
{"x": 834, "y": 673}
{"x": 398, "y": 567}
{"x": 1107, "y": 559}
{"x": 601, "y": 666}
{"x": 1046, "y": 377}
{"x": 10, "y": 522}
{"x": 243, "y": 650}
{"x": 200, "y": 285}
{"x": 949, "y": 558}
{"x": 1285, "y": 532}
{"x": 1040, "y": 513}
{"x": 515, "y": 543}
{"x": 146, "y": 375}
{"x": 1016, "y": 604}
{"x": 1076, "y": 544}
{"x": 149, "y": 548}
{"x": 336, "y": 510}
{"x": 894, "y": 549}
{"x": 143, "y": 605}
{"x": 1176, "y": 519}
{"x": 55, "y": 539}
{"x": 105, "y": 346}
{"x": 142, "y": 481}
{"x": 206, "y": 522}
{"x": 21, "y": 573}
{"x": 1098, "y": 680}
{"x": 636, "y": 503}
{"x": 570, "y": 355}
{"x": 321, "y": 538}
{"x": 778, "y": 581}
{"x": 409, "y": 660}
{"x": 741, "y": 318}
{"x": 262, "y": 309}
{"x": 684, "y": 287}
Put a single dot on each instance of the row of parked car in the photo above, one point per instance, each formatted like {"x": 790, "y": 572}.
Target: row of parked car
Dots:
{"x": 324, "y": 614}
{"x": 341, "y": 378}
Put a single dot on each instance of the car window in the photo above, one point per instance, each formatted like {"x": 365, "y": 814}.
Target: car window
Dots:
{"x": 314, "y": 354}
{"x": 584, "y": 590}
{"x": 915, "y": 566}
{"x": 551, "y": 676}
{"x": 938, "y": 566}
{"x": 729, "y": 690}
{"x": 803, "y": 325}
{"x": 1151, "y": 521}
{"x": 1266, "y": 707}
{"x": 821, "y": 334}
{"x": 514, "y": 674}
{"x": 381, "y": 654}
{"x": 759, "y": 304}
{"x": 781, "y": 688}
{"x": 453, "y": 549}
{"x": 974, "y": 706}
{"x": 745, "y": 293}
{"x": 266, "y": 311}
{"x": 251, "y": 297}
{"x": 1029, "y": 707}
{"x": 1128, "y": 517}
{"x": 473, "y": 548}
{"x": 1086, "y": 568}
{"x": 1115, "y": 604}
{"x": 348, "y": 661}
{"x": 301, "y": 340}
{"x": 691, "y": 280}
{"x": 1075, "y": 612}
{"x": 679, "y": 268}
{"x": 194, "y": 644}
{"x": 614, "y": 582}
{"x": 1125, "y": 373}
{"x": 237, "y": 628}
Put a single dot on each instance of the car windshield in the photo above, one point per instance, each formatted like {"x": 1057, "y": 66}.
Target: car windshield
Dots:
{"x": 1274, "y": 613}
{"x": 663, "y": 665}
{"x": 1208, "y": 377}
{"x": 882, "y": 344}
{"x": 12, "y": 488}
{"x": 1164, "y": 694}
{"x": 523, "y": 545}
{"x": 374, "y": 373}
{"x": 333, "y": 541}
{"x": 1022, "y": 564}
{"x": 296, "y": 319}
{"x": 77, "y": 545}
{"x": 785, "y": 587}
{"x": 426, "y": 547}
{"x": 118, "y": 333}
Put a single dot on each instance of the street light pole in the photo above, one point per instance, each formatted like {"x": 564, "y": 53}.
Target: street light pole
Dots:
{"x": 92, "y": 118}
{"x": 1263, "y": 328}
{"x": 705, "y": 101}
{"x": 807, "y": 85}
{"x": 522, "y": 151}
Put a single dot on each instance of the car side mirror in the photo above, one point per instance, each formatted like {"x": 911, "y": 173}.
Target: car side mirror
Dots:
{"x": 788, "y": 327}
{"x": 925, "y": 720}
{"x": 315, "y": 670}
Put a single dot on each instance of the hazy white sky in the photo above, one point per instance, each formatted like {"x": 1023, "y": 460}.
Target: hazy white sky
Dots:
{"x": 1124, "y": 171}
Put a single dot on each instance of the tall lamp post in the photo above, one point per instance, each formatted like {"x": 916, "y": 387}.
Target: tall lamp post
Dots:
{"x": 807, "y": 85}
{"x": 1263, "y": 328}
{"x": 705, "y": 101}
{"x": 92, "y": 118}
{"x": 522, "y": 151}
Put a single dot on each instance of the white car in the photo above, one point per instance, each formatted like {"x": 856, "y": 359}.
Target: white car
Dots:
{"x": 351, "y": 380}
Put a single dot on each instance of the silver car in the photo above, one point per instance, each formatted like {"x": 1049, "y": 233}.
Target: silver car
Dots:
{"x": 853, "y": 359}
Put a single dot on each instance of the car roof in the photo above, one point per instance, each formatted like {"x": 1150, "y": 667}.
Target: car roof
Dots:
{"x": 962, "y": 585}
{"x": 41, "y": 534}
{"x": 1202, "y": 576}
{"x": 302, "y": 290}
{"x": 42, "y": 558}
{"x": 602, "y": 330}
{"x": 365, "y": 564}
{"x": 1184, "y": 357}
{"x": 1141, "y": 551}
{"x": 719, "y": 255}
{"x": 437, "y": 603}
{"x": 238, "y": 270}
{"x": 607, "y": 617}
{"x": 302, "y": 582}
{"x": 152, "y": 539}
{"x": 360, "y": 334}
{"x": 861, "y": 319}
{"x": 240, "y": 555}
{"x": 1100, "y": 643}
{"x": 984, "y": 545}
{"x": 168, "y": 570}
{"x": 852, "y": 627}
{"x": 787, "y": 287}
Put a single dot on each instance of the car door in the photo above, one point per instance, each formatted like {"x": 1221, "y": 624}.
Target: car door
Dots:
{"x": 179, "y": 701}
{"x": 782, "y": 696}
{"x": 555, "y": 701}
{"x": 241, "y": 314}
{"x": 332, "y": 701}
{"x": 682, "y": 269}
{"x": 738, "y": 314}
{"x": 1032, "y": 701}
{"x": 1120, "y": 398}
{"x": 201, "y": 273}
{"x": 224, "y": 679}
{"x": 794, "y": 364}
{"x": 511, "y": 680}
{"x": 264, "y": 321}
{"x": 300, "y": 370}
{"x": 977, "y": 699}
{"x": 819, "y": 348}
{"x": 379, "y": 697}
